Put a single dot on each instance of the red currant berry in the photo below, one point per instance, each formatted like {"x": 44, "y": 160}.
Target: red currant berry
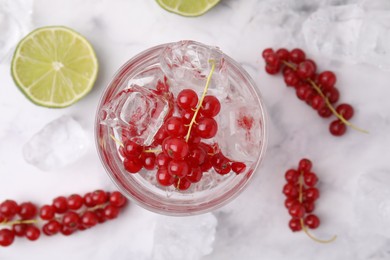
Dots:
{"x": 290, "y": 190}
{"x": 218, "y": 160}
{"x": 267, "y": 52}
{"x": 223, "y": 169}
{"x": 272, "y": 60}
{"x": 297, "y": 56}
{"x": 312, "y": 221}
{"x": 89, "y": 219}
{"x": 164, "y": 178}
{"x": 345, "y": 110}
{"x": 317, "y": 102}
{"x": 111, "y": 212}
{"x": 210, "y": 106}
{"x": 174, "y": 126}
{"x": 238, "y": 167}
{"x": 117, "y": 199}
{"x": 283, "y": 54}
{"x": 162, "y": 160}
{"x": 88, "y": 200}
{"x": 132, "y": 165}
{"x": 310, "y": 179}
{"x": 206, "y": 128}
{"x": 195, "y": 175}
{"x": 60, "y": 204}
{"x": 337, "y": 128}
{"x": 99, "y": 197}
{"x": 175, "y": 148}
{"x": 27, "y": 210}
{"x": 302, "y": 90}
{"x": 309, "y": 95}
{"x": 186, "y": 116}
{"x": 19, "y": 229}
{"x": 206, "y": 165}
{"x": 333, "y": 95}
{"x": 100, "y": 215}
{"x": 291, "y": 79}
{"x": 305, "y": 165}
{"x": 271, "y": 69}
{"x": 287, "y": 70}
{"x": 187, "y": 99}
{"x": 296, "y": 210}
{"x": 325, "y": 112}
{"x": 6, "y": 237}
{"x": 47, "y": 212}
{"x": 291, "y": 176}
{"x": 66, "y": 231}
{"x": 311, "y": 194}
{"x": 289, "y": 201}
{"x": 306, "y": 69}
{"x": 178, "y": 168}
{"x": 75, "y": 202}
{"x": 295, "y": 225}
{"x": 196, "y": 156}
{"x": 9, "y": 209}
{"x": 182, "y": 184}
{"x": 51, "y": 228}
{"x": 32, "y": 233}
{"x": 309, "y": 206}
{"x": 132, "y": 149}
{"x": 327, "y": 80}
{"x": 71, "y": 220}
{"x": 148, "y": 160}
{"x": 160, "y": 136}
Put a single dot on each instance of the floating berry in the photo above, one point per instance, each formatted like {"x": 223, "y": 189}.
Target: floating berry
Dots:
{"x": 164, "y": 178}
{"x": 195, "y": 175}
{"x": 182, "y": 184}
{"x": 132, "y": 165}
{"x": 162, "y": 160}
{"x": 196, "y": 156}
{"x": 132, "y": 149}
{"x": 206, "y": 128}
{"x": 238, "y": 167}
{"x": 174, "y": 126}
{"x": 148, "y": 160}
{"x": 178, "y": 168}
{"x": 187, "y": 99}
{"x": 210, "y": 106}
{"x": 175, "y": 148}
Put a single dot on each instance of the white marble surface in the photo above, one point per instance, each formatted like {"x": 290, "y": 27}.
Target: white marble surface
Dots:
{"x": 254, "y": 226}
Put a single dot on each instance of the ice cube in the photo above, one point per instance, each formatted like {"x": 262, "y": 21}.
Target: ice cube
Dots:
{"x": 59, "y": 143}
{"x": 354, "y": 32}
{"x": 137, "y": 112}
{"x": 240, "y": 134}
{"x": 15, "y": 21}
{"x": 187, "y": 65}
{"x": 372, "y": 205}
{"x": 188, "y": 238}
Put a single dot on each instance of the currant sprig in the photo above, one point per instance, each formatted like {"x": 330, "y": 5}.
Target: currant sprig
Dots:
{"x": 317, "y": 90}
{"x": 64, "y": 215}
{"x": 301, "y": 194}
{"x": 196, "y": 111}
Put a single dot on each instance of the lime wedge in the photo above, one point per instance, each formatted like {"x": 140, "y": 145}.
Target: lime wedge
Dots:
{"x": 54, "y": 66}
{"x": 188, "y": 7}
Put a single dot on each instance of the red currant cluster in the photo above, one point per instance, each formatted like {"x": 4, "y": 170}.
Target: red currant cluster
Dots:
{"x": 317, "y": 90}
{"x": 178, "y": 151}
{"x": 301, "y": 195}
{"x": 64, "y": 215}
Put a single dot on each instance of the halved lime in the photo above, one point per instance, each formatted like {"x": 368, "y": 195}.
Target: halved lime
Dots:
{"x": 188, "y": 7}
{"x": 54, "y": 66}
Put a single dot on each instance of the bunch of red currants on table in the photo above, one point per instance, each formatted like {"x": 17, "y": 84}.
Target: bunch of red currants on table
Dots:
{"x": 64, "y": 215}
